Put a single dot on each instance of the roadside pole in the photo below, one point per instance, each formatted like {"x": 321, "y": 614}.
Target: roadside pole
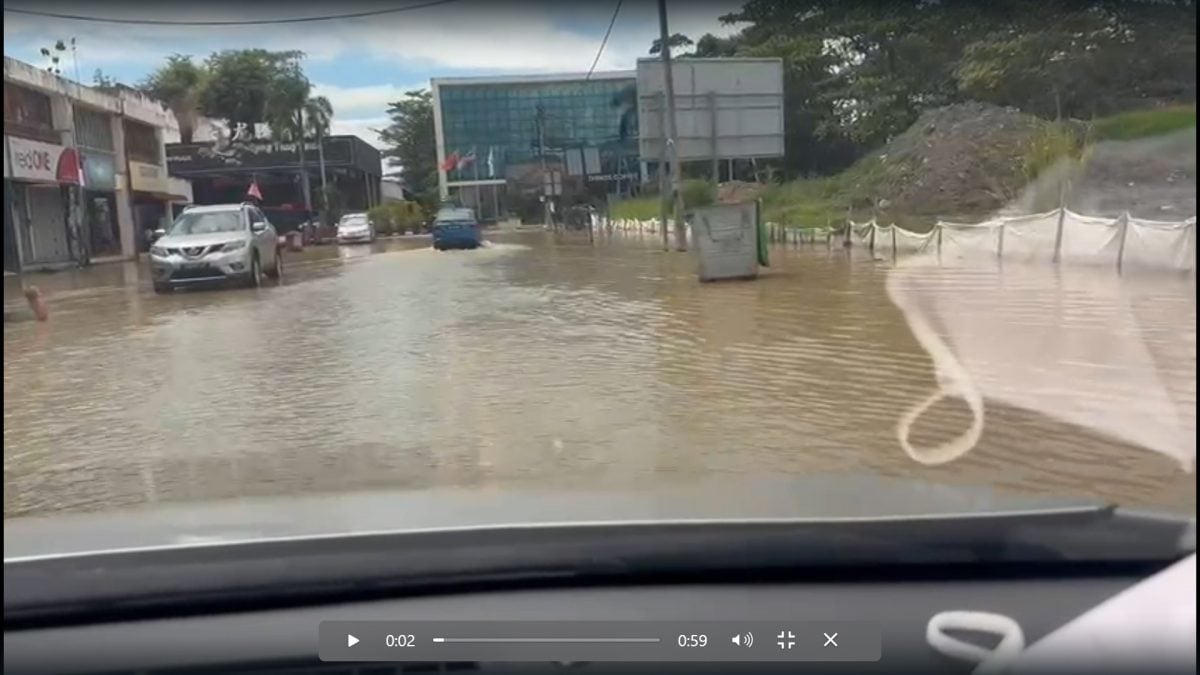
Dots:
{"x": 541, "y": 129}
{"x": 304, "y": 172}
{"x": 324, "y": 178}
{"x": 672, "y": 141}
{"x": 664, "y": 181}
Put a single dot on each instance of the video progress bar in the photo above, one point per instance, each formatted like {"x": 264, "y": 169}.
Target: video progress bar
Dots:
{"x": 537, "y": 640}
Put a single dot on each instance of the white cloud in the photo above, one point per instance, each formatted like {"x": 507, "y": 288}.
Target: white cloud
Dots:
{"x": 363, "y": 127}
{"x": 519, "y": 38}
{"x": 362, "y": 101}
{"x": 492, "y": 35}
{"x": 496, "y": 35}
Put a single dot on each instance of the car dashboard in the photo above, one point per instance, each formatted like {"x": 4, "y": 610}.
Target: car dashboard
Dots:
{"x": 285, "y": 640}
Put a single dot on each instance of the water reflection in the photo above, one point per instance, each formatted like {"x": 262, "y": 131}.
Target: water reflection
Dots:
{"x": 540, "y": 361}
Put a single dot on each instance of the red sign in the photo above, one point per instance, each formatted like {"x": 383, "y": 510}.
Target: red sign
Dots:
{"x": 38, "y": 161}
{"x": 69, "y": 168}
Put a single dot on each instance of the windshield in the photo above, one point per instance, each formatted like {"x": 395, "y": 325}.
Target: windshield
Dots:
{"x": 209, "y": 222}
{"x": 873, "y": 260}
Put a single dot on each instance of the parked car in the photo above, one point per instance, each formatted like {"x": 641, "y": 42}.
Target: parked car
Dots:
{"x": 355, "y": 227}
{"x": 220, "y": 243}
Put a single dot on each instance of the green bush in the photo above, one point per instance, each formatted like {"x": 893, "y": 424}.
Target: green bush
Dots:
{"x": 697, "y": 193}
{"x": 381, "y": 217}
{"x": 1049, "y": 144}
{"x": 396, "y": 218}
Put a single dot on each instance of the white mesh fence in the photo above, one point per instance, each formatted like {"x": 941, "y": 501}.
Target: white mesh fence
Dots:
{"x": 1062, "y": 235}
{"x": 1121, "y": 242}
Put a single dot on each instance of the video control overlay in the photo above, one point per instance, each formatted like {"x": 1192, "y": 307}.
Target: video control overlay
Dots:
{"x": 599, "y": 641}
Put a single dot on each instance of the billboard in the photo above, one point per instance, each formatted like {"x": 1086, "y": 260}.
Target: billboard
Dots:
{"x": 743, "y": 95}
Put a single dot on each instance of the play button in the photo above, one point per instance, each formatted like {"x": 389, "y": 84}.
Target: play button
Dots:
{"x": 351, "y": 640}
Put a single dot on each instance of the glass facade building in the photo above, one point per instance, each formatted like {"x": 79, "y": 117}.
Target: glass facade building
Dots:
{"x": 501, "y": 129}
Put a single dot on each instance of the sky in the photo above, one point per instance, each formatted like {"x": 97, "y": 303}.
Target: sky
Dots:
{"x": 362, "y": 64}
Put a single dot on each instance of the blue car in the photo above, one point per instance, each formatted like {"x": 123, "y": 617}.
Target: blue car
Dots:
{"x": 456, "y": 228}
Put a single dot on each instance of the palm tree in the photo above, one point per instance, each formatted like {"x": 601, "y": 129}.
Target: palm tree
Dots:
{"x": 317, "y": 114}
{"x": 179, "y": 84}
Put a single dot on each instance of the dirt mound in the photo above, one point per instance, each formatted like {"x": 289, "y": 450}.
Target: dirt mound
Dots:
{"x": 961, "y": 159}
{"x": 1151, "y": 178}
{"x": 967, "y": 161}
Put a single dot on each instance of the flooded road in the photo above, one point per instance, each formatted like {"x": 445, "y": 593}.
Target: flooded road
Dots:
{"x": 540, "y": 361}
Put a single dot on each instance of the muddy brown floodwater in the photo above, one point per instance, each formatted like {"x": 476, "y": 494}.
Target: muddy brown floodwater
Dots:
{"x": 541, "y": 360}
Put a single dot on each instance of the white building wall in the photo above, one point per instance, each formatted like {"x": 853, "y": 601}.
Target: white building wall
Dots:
{"x": 124, "y": 104}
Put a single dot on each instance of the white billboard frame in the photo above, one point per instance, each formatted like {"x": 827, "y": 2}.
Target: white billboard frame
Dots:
{"x": 747, "y": 94}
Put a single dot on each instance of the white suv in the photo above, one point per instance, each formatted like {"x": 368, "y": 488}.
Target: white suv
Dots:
{"x": 220, "y": 243}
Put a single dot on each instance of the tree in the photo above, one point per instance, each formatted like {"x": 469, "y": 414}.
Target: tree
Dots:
{"x": 180, "y": 84}
{"x": 674, "y": 42}
{"x": 287, "y": 94}
{"x": 318, "y": 115}
{"x": 409, "y": 138}
{"x": 711, "y": 46}
{"x": 254, "y": 86}
{"x": 106, "y": 84}
{"x": 1087, "y": 60}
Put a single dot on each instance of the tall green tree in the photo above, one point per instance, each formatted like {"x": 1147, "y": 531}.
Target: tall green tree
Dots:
{"x": 858, "y": 72}
{"x": 179, "y": 83}
{"x": 410, "y": 140}
{"x": 318, "y": 115}
{"x": 255, "y": 86}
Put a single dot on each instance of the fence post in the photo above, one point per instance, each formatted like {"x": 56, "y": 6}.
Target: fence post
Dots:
{"x": 893, "y": 241}
{"x": 1000, "y": 244}
{"x": 871, "y": 245}
{"x": 1058, "y": 234}
{"x": 938, "y": 225}
{"x": 1123, "y": 223}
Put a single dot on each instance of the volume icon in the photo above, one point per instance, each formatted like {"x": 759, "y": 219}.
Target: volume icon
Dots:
{"x": 743, "y": 639}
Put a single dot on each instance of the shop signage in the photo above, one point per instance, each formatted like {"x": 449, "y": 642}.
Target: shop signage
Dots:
{"x": 600, "y": 177}
{"x": 147, "y": 177}
{"x": 43, "y": 162}
{"x": 99, "y": 171}
{"x": 185, "y": 158}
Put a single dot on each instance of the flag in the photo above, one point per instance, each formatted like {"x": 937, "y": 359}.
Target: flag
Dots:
{"x": 466, "y": 161}
{"x": 451, "y": 162}
{"x": 254, "y": 191}
{"x": 491, "y": 162}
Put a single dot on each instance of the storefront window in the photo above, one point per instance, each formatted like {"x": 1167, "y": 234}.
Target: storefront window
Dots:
{"x": 141, "y": 143}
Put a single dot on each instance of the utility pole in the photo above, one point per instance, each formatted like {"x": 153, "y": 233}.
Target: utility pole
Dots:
{"x": 324, "y": 178}
{"x": 304, "y": 171}
{"x": 541, "y": 129}
{"x": 672, "y": 142}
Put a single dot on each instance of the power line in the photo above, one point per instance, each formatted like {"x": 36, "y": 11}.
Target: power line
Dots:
{"x": 247, "y": 22}
{"x": 613, "y": 20}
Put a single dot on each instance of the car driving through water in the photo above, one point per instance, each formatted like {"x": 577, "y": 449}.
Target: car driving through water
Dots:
{"x": 355, "y": 228}
{"x": 221, "y": 243}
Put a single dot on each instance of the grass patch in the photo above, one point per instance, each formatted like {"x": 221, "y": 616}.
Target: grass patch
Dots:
{"x": 1144, "y": 123}
{"x": 815, "y": 202}
{"x": 695, "y": 193}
